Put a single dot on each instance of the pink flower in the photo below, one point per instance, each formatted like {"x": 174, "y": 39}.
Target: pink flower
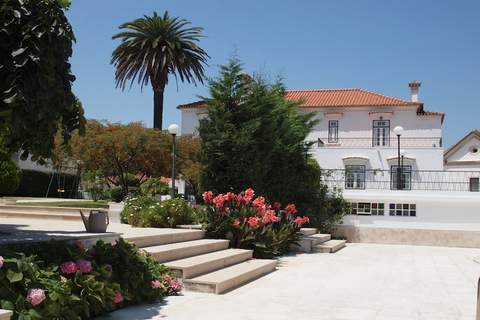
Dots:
{"x": 207, "y": 197}
{"x": 35, "y": 296}
{"x": 239, "y": 199}
{"x": 174, "y": 285}
{"x": 156, "y": 284}
{"x": 229, "y": 196}
{"x": 226, "y": 210}
{"x": 236, "y": 223}
{"x": 219, "y": 201}
{"x": 290, "y": 208}
{"x": 259, "y": 202}
{"x": 249, "y": 194}
{"x": 253, "y": 222}
{"x": 2, "y": 261}
{"x": 68, "y": 267}
{"x": 277, "y": 205}
{"x": 270, "y": 217}
{"x": 117, "y": 297}
{"x": 84, "y": 266}
{"x": 301, "y": 220}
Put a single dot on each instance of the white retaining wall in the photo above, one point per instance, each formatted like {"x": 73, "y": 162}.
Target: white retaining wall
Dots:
{"x": 435, "y": 210}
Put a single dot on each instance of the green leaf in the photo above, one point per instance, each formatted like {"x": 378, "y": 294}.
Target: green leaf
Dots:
{"x": 13, "y": 276}
{"x": 7, "y": 305}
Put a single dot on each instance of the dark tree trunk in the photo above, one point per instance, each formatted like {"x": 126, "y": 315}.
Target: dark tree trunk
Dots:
{"x": 158, "y": 108}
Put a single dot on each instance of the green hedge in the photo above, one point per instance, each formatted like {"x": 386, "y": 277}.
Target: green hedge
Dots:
{"x": 57, "y": 280}
{"x": 35, "y": 184}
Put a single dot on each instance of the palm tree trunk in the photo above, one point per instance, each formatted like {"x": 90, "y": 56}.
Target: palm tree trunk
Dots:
{"x": 158, "y": 108}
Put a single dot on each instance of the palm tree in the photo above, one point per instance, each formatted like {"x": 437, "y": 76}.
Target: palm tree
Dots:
{"x": 152, "y": 48}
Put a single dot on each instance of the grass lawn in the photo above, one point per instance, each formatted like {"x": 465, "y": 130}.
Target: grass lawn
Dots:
{"x": 72, "y": 204}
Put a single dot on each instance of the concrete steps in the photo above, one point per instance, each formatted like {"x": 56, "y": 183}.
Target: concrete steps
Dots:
{"x": 330, "y": 246}
{"x": 308, "y": 231}
{"x": 231, "y": 277}
{"x": 205, "y": 263}
{"x": 143, "y": 241}
{"x": 311, "y": 241}
{"x": 40, "y": 212}
{"x": 5, "y": 314}
{"x": 179, "y": 250}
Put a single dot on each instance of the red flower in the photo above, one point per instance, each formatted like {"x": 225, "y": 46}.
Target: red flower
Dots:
{"x": 249, "y": 194}
{"x": 253, "y": 222}
{"x": 229, "y": 196}
{"x": 236, "y": 223}
{"x": 219, "y": 201}
{"x": 259, "y": 202}
{"x": 301, "y": 220}
{"x": 270, "y": 217}
{"x": 239, "y": 198}
{"x": 290, "y": 208}
{"x": 208, "y": 197}
{"x": 277, "y": 205}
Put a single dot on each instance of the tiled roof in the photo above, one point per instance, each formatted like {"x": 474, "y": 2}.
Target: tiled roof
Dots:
{"x": 327, "y": 98}
{"x": 421, "y": 112}
{"x": 346, "y": 98}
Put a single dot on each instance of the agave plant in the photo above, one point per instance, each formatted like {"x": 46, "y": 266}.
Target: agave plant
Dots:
{"x": 152, "y": 48}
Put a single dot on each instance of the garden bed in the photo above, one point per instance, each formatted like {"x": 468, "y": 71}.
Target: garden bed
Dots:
{"x": 68, "y": 281}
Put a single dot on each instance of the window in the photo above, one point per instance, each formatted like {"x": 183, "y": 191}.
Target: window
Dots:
{"x": 403, "y": 209}
{"x": 475, "y": 184}
{"x": 474, "y": 150}
{"x": 367, "y": 208}
{"x": 354, "y": 177}
{"x": 405, "y": 177}
{"x": 333, "y": 131}
{"x": 381, "y": 133}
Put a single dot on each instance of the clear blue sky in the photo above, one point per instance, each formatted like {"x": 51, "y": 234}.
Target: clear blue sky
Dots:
{"x": 373, "y": 44}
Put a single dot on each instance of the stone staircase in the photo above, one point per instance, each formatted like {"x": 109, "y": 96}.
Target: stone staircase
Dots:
{"x": 40, "y": 212}
{"x": 205, "y": 265}
{"x": 311, "y": 242}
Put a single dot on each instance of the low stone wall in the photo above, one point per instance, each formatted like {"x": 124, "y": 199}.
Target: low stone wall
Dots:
{"x": 425, "y": 237}
{"x": 5, "y": 314}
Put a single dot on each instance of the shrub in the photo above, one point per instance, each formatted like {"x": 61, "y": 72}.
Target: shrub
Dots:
{"x": 251, "y": 223}
{"x": 149, "y": 212}
{"x": 10, "y": 174}
{"x": 154, "y": 186}
{"x": 117, "y": 194}
{"x": 57, "y": 280}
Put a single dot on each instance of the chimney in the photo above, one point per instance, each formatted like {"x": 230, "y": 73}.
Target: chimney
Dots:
{"x": 414, "y": 86}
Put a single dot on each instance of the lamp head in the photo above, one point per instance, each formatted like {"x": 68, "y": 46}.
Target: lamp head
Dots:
{"x": 173, "y": 129}
{"x": 398, "y": 130}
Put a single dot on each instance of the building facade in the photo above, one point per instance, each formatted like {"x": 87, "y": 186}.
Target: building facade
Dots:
{"x": 387, "y": 157}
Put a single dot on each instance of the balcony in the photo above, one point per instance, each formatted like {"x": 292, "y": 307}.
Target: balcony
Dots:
{"x": 402, "y": 179}
{"x": 379, "y": 142}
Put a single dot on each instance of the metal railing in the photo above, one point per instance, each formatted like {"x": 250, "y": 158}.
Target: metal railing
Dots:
{"x": 409, "y": 180}
{"x": 380, "y": 142}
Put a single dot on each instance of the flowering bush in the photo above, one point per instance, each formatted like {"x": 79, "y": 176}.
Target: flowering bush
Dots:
{"x": 146, "y": 211}
{"x": 65, "y": 281}
{"x": 251, "y": 223}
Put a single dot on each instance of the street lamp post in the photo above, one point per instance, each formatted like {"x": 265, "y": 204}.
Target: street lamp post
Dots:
{"x": 398, "y": 130}
{"x": 402, "y": 180}
{"x": 173, "y": 130}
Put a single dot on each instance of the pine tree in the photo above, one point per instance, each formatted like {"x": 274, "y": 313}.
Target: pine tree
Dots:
{"x": 253, "y": 137}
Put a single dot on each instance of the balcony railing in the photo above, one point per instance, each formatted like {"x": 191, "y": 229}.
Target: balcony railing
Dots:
{"x": 381, "y": 142}
{"x": 406, "y": 179}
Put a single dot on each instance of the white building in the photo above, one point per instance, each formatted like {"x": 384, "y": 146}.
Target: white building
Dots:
{"x": 356, "y": 142}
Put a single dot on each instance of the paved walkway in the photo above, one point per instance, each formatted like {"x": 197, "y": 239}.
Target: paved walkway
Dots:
{"x": 362, "y": 281}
